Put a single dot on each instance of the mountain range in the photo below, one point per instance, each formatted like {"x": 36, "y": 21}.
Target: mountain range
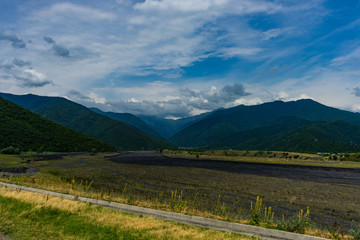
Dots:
{"x": 82, "y": 119}
{"x": 295, "y": 135}
{"x": 131, "y": 120}
{"x": 22, "y": 129}
{"x": 227, "y": 121}
{"x": 303, "y": 125}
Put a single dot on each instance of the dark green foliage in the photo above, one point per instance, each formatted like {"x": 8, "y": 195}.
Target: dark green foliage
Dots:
{"x": 82, "y": 119}
{"x": 293, "y": 224}
{"x": 222, "y": 123}
{"x": 279, "y": 126}
{"x": 10, "y": 150}
{"x": 23, "y": 130}
{"x": 296, "y": 135}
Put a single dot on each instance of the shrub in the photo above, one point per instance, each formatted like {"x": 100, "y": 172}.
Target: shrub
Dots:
{"x": 260, "y": 213}
{"x": 10, "y": 150}
{"x": 297, "y": 223}
{"x": 54, "y": 172}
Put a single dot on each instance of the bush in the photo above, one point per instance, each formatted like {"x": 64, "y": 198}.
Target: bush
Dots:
{"x": 297, "y": 223}
{"x": 10, "y": 150}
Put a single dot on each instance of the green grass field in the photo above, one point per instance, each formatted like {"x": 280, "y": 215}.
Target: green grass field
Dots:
{"x": 25, "y": 215}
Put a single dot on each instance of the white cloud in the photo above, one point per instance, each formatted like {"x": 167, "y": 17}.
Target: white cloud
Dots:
{"x": 165, "y": 99}
{"x": 150, "y": 37}
{"x": 251, "y": 101}
{"x": 355, "y": 108}
{"x": 238, "y": 52}
{"x": 96, "y": 99}
{"x": 213, "y": 6}
{"x": 275, "y": 32}
{"x": 283, "y": 96}
{"x": 351, "y": 58}
{"x": 69, "y": 11}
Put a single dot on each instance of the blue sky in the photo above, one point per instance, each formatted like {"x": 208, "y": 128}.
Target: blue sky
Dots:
{"x": 178, "y": 58}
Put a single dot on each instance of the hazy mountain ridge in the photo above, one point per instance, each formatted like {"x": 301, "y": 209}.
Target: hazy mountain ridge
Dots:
{"x": 130, "y": 119}
{"x": 168, "y": 127}
{"x": 25, "y": 130}
{"x": 82, "y": 119}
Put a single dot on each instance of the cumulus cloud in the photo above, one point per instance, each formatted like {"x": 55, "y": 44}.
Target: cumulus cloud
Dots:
{"x": 15, "y": 41}
{"x": 32, "y": 79}
{"x": 356, "y": 91}
{"x": 59, "y": 50}
{"x": 21, "y": 63}
{"x": 20, "y": 71}
{"x": 175, "y": 103}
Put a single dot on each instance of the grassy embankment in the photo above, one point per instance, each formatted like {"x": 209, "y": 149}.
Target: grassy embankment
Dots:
{"x": 25, "y": 215}
{"x": 203, "y": 192}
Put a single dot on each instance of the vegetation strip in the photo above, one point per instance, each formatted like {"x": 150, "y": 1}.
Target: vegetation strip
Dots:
{"x": 30, "y": 215}
{"x": 187, "y": 219}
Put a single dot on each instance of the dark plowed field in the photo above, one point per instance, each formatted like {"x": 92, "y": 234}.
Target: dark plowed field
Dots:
{"x": 348, "y": 176}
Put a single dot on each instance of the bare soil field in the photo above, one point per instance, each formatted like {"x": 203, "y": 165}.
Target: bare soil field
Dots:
{"x": 348, "y": 176}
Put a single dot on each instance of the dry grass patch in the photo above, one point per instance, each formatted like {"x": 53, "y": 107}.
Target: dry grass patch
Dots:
{"x": 158, "y": 228}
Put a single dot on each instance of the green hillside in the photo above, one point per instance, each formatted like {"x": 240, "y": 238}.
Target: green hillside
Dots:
{"x": 241, "y": 118}
{"x": 281, "y": 125}
{"x": 25, "y": 130}
{"x": 296, "y": 135}
{"x": 82, "y": 119}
